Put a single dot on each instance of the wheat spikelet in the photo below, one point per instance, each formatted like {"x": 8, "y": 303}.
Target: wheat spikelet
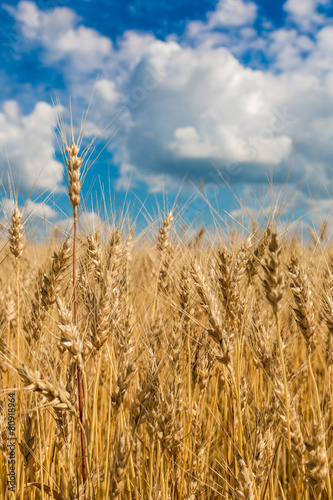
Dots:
{"x": 169, "y": 427}
{"x": 94, "y": 255}
{"x": 70, "y": 337}
{"x": 53, "y": 282}
{"x": 262, "y": 345}
{"x": 163, "y": 234}
{"x": 202, "y": 364}
{"x": 74, "y": 170}
{"x": 296, "y": 436}
{"x": 146, "y": 398}
{"x": 26, "y": 446}
{"x": 16, "y": 233}
{"x": 164, "y": 248}
{"x": 196, "y": 480}
{"x": 274, "y": 282}
{"x": 304, "y": 310}
{"x": 10, "y": 310}
{"x": 57, "y": 397}
{"x": 229, "y": 278}
{"x": 184, "y": 292}
{"x": 48, "y": 289}
{"x": 208, "y": 301}
{"x": 246, "y": 488}
{"x": 123, "y": 382}
{"x": 127, "y": 364}
{"x": 100, "y": 313}
{"x": 119, "y": 467}
{"x": 210, "y": 307}
{"x": 317, "y": 463}
{"x": 254, "y": 262}
{"x": 114, "y": 253}
{"x": 260, "y": 464}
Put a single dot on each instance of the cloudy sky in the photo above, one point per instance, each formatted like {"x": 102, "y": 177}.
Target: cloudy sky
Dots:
{"x": 193, "y": 87}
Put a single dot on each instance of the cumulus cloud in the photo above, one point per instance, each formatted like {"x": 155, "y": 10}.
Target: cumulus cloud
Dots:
{"x": 57, "y": 30}
{"x": 26, "y": 140}
{"x": 189, "y": 101}
{"x": 232, "y": 13}
{"x": 229, "y": 14}
{"x": 218, "y": 110}
{"x": 188, "y": 144}
{"x": 107, "y": 90}
{"x": 305, "y": 12}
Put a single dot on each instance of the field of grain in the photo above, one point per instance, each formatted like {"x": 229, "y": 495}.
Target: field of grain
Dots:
{"x": 155, "y": 367}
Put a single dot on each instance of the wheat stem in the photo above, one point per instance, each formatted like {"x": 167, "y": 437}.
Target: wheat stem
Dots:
{"x": 79, "y": 384}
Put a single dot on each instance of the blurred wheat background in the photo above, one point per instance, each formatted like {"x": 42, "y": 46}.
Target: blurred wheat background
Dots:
{"x": 166, "y": 368}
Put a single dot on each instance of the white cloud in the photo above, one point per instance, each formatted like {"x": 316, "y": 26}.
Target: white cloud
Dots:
{"x": 228, "y": 14}
{"x": 286, "y": 48}
{"x": 190, "y": 101}
{"x": 27, "y": 140}
{"x": 209, "y": 107}
{"x": 305, "y": 12}
{"x": 232, "y": 13}
{"x": 86, "y": 47}
{"x": 36, "y": 24}
{"x": 107, "y": 90}
{"x": 58, "y": 32}
{"x": 187, "y": 144}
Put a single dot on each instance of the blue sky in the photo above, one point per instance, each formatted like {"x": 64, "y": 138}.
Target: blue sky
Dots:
{"x": 203, "y": 86}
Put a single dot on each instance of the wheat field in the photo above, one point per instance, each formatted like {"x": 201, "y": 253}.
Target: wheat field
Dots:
{"x": 157, "y": 367}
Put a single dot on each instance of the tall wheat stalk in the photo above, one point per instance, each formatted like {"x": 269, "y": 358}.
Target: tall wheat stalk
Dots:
{"x": 16, "y": 248}
{"x": 74, "y": 163}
